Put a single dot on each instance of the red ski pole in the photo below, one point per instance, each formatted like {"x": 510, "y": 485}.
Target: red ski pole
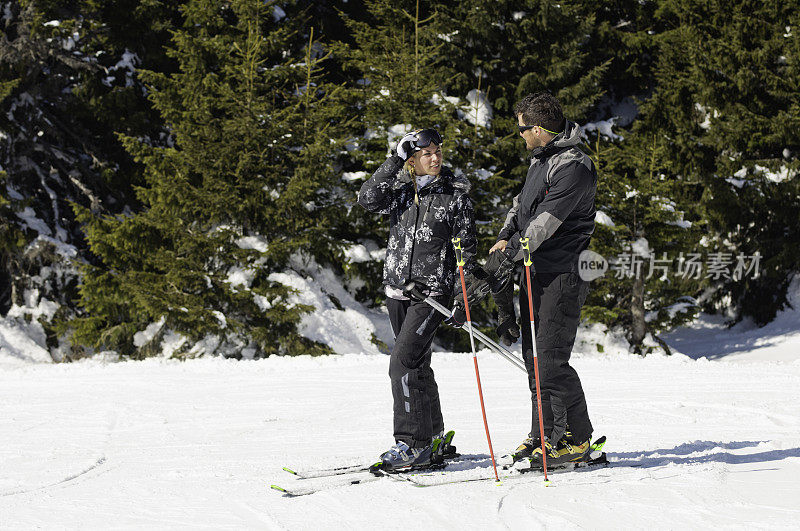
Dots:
{"x": 460, "y": 262}
{"x": 526, "y": 250}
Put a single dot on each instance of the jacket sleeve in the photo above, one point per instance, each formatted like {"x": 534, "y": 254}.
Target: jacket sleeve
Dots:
{"x": 510, "y": 225}
{"x": 376, "y": 193}
{"x": 569, "y": 185}
{"x": 464, "y": 228}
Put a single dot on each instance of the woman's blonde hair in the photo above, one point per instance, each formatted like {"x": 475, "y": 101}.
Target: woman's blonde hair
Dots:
{"x": 409, "y": 168}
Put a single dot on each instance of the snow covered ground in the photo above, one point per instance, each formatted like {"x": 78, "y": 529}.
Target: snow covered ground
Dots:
{"x": 706, "y": 438}
{"x": 167, "y": 444}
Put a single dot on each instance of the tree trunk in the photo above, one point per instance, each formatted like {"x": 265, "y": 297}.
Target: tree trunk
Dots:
{"x": 638, "y": 324}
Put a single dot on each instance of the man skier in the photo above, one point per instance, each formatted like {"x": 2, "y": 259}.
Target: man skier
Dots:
{"x": 555, "y": 210}
{"x": 427, "y": 207}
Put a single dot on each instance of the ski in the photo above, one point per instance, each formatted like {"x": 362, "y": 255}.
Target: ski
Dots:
{"x": 419, "y": 478}
{"x": 366, "y": 475}
{"x": 429, "y": 476}
{"x": 306, "y": 489}
{"x": 355, "y": 469}
{"x": 596, "y": 458}
{"x": 327, "y": 472}
{"x": 423, "y": 481}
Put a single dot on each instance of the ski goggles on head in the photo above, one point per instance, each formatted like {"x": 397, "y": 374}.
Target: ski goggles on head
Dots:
{"x": 426, "y": 136}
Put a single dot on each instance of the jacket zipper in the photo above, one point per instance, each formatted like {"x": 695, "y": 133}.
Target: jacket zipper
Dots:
{"x": 414, "y": 236}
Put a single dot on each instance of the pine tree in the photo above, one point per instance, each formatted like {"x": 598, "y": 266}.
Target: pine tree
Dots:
{"x": 726, "y": 100}
{"x": 40, "y": 148}
{"x": 245, "y": 186}
{"x": 12, "y": 241}
{"x": 644, "y": 232}
{"x": 712, "y": 68}
{"x": 647, "y": 223}
{"x": 746, "y": 79}
{"x": 67, "y": 83}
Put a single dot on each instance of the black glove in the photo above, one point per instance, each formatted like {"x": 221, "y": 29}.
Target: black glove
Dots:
{"x": 477, "y": 288}
{"x": 507, "y": 328}
{"x": 493, "y": 276}
{"x": 499, "y": 267}
{"x": 415, "y": 291}
{"x": 458, "y": 317}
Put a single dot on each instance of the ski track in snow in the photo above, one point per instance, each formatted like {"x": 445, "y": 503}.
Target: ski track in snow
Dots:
{"x": 692, "y": 444}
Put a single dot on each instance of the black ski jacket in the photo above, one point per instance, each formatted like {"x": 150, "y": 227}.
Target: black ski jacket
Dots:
{"x": 420, "y": 247}
{"x": 555, "y": 208}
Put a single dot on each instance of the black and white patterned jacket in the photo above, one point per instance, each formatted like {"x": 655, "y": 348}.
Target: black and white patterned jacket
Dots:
{"x": 420, "y": 247}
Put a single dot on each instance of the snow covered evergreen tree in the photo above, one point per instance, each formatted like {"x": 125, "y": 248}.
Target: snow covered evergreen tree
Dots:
{"x": 245, "y": 185}
{"x": 733, "y": 74}
{"x": 691, "y": 179}
{"x": 43, "y": 148}
{"x": 727, "y": 77}
{"x": 67, "y": 78}
{"x": 643, "y": 232}
{"x": 245, "y": 163}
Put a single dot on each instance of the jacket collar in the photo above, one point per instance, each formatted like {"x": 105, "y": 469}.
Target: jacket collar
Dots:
{"x": 445, "y": 178}
{"x": 569, "y": 137}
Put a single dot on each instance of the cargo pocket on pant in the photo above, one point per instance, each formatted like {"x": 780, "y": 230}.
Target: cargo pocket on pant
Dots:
{"x": 573, "y": 294}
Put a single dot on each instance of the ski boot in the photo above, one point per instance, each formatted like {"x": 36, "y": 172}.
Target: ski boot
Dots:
{"x": 565, "y": 451}
{"x": 524, "y": 450}
{"x": 402, "y": 457}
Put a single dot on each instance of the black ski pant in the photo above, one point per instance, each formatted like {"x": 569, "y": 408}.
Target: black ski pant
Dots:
{"x": 557, "y": 302}
{"x": 417, "y": 412}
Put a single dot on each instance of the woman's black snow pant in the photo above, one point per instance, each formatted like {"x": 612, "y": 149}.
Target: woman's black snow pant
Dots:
{"x": 417, "y": 413}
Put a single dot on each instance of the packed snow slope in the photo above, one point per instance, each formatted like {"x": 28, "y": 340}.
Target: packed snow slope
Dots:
{"x": 168, "y": 444}
{"x": 706, "y": 438}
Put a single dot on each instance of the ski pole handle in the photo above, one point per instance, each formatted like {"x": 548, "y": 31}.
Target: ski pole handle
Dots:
{"x": 526, "y": 250}
{"x": 460, "y": 262}
{"x": 459, "y": 252}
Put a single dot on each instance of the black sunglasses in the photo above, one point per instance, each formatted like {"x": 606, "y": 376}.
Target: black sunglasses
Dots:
{"x": 426, "y": 136}
{"x": 523, "y": 128}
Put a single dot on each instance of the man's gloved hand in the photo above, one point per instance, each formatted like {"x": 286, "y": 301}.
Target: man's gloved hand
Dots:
{"x": 499, "y": 267}
{"x": 407, "y": 146}
{"x": 507, "y": 328}
{"x": 477, "y": 282}
{"x": 494, "y": 276}
{"x": 508, "y": 332}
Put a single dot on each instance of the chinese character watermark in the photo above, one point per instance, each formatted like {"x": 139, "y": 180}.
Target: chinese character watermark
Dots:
{"x": 714, "y": 266}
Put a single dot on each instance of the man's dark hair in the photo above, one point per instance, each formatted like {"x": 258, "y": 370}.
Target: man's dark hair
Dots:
{"x": 542, "y": 109}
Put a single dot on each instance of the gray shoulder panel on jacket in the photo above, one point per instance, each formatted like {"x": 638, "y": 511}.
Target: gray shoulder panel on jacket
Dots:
{"x": 559, "y": 161}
